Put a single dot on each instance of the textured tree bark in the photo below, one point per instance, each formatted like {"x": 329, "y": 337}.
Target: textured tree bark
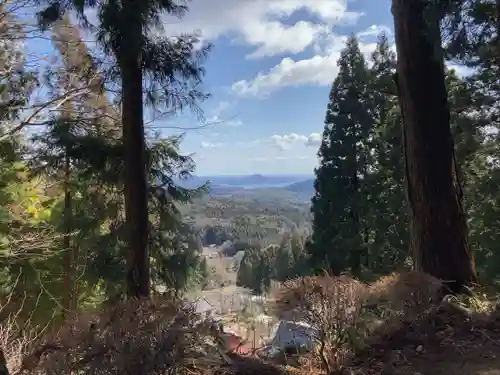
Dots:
{"x": 136, "y": 204}
{"x": 498, "y": 32}
{"x": 356, "y": 249}
{"x": 69, "y": 284}
{"x": 439, "y": 233}
{"x": 3, "y": 364}
{"x": 67, "y": 81}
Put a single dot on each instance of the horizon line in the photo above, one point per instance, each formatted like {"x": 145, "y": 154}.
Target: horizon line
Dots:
{"x": 253, "y": 174}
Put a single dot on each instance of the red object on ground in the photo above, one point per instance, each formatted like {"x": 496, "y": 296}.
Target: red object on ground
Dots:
{"x": 234, "y": 344}
{"x": 243, "y": 350}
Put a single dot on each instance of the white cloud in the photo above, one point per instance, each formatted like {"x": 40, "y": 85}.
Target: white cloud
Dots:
{"x": 211, "y": 144}
{"x": 374, "y": 31}
{"x": 280, "y": 158}
{"x": 317, "y": 70}
{"x": 221, "y": 107}
{"x": 232, "y": 122}
{"x": 281, "y": 39}
{"x": 281, "y": 142}
{"x": 314, "y": 139}
{"x": 285, "y": 142}
{"x": 257, "y": 22}
{"x": 218, "y": 115}
{"x": 278, "y": 153}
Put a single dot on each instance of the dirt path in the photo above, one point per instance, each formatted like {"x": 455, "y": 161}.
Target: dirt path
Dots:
{"x": 445, "y": 343}
{"x": 477, "y": 355}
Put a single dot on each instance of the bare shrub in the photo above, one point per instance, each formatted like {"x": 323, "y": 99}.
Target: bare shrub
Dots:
{"x": 16, "y": 334}
{"x": 332, "y": 306}
{"x": 134, "y": 337}
{"x": 14, "y": 344}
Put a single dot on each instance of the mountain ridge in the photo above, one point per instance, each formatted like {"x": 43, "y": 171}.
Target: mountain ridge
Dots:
{"x": 296, "y": 187}
{"x": 244, "y": 181}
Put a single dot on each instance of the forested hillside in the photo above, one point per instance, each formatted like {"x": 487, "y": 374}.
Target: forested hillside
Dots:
{"x": 392, "y": 266}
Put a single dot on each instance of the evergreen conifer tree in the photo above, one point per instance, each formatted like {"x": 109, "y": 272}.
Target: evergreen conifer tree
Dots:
{"x": 388, "y": 218}
{"x": 154, "y": 69}
{"x": 337, "y": 243}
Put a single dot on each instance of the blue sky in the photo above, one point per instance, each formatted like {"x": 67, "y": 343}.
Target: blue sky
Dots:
{"x": 269, "y": 75}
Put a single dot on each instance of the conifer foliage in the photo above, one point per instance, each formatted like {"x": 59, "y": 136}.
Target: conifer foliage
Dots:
{"x": 337, "y": 241}
{"x": 154, "y": 69}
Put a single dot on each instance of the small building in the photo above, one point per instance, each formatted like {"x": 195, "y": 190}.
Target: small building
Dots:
{"x": 205, "y": 309}
{"x": 296, "y": 334}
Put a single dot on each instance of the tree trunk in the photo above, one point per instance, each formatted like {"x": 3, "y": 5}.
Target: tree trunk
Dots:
{"x": 439, "y": 234}
{"x": 355, "y": 248}
{"x": 68, "y": 303}
{"x": 498, "y": 33}
{"x": 135, "y": 183}
{"x": 3, "y": 364}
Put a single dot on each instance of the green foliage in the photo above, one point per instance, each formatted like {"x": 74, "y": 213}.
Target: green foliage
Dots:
{"x": 172, "y": 67}
{"x": 359, "y": 209}
{"x": 378, "y": 208}
{"x": 215, "y": 235}
{"x": 386, "y": 213}
{"x": 174, "y": 248}
{"x": 29, "y": 255}
{"x": 255, "y": 270}
{"x": 471, "y": 37}
{"x": 16, "y": 82}
{"x": 337, "y": 241}
{"x": 281, "y": 262}
{"x": 76, "y": 156}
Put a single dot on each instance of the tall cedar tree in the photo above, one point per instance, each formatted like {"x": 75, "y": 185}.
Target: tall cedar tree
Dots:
{"x": 386, "y": 198}
{"x": 438, "y": 229}
{"x": 79, "y": 62}
{"x": 337, "y": 243}
{"x": 151, "y": 68}
{"x": 130, "y": 20}
{"x": 471, "y": 31}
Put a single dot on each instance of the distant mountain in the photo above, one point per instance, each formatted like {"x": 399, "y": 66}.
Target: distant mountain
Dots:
{"x": 254, "y": 180}
{"x": 243, "y": 181}
{"x": 298, "y": 191}
{"x": 298, "y": 188}
{"x": 304, "y": 188}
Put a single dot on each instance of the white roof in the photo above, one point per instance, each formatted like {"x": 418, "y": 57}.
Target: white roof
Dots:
{"x": 287, "y": 331}
{"x": 202, "y": 306}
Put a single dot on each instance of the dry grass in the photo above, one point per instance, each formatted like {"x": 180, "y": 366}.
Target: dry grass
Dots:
{"x": 402, "y": 297}
{"x": 348, "y": 315}
{"x": 409, "y": 290}
{"x": 478, "y": 302}
{"x": 163, "y": 337}
{"x": 135, "y": 337}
